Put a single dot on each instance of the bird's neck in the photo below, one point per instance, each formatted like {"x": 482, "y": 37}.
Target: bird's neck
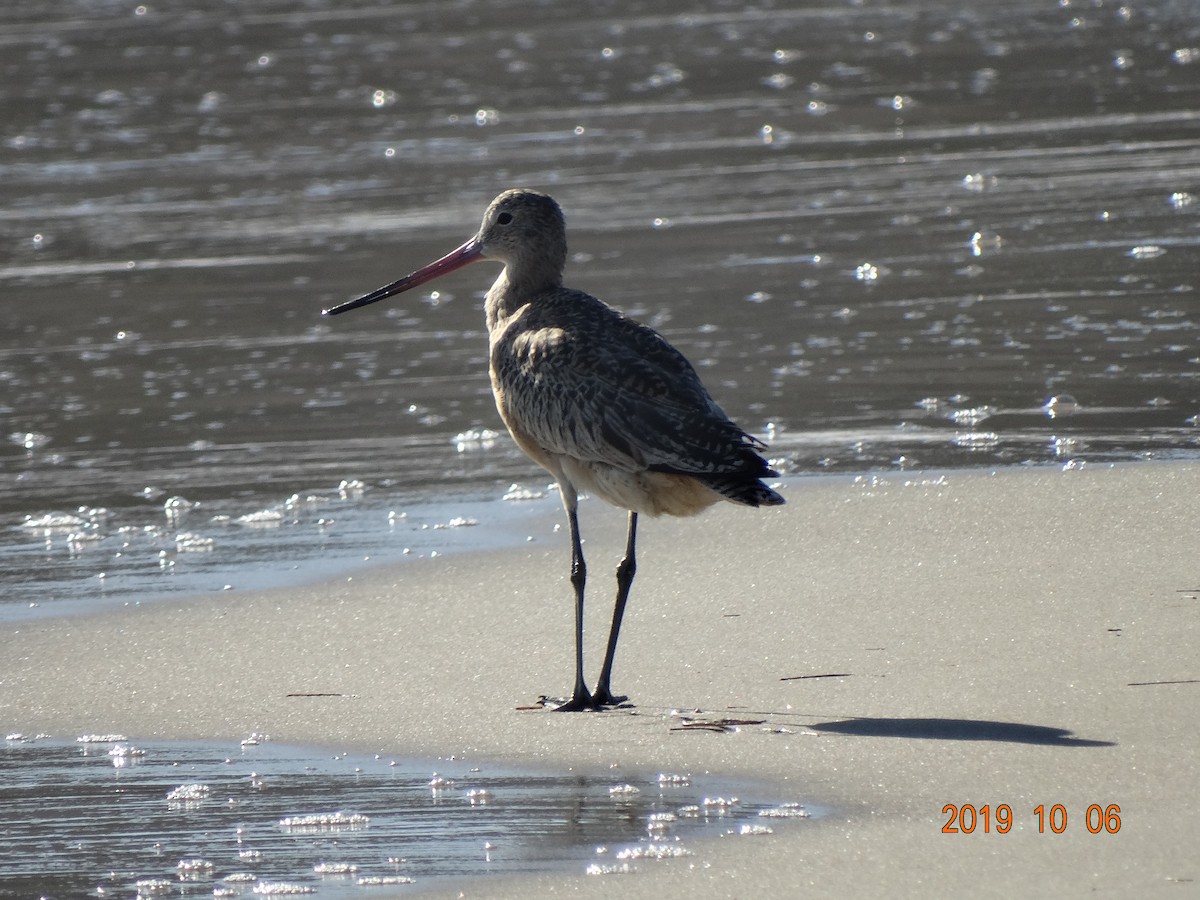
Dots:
{"x": 513, "y": 290}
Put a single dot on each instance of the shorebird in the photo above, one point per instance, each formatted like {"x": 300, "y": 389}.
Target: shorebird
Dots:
{"x": 601, "y": 402}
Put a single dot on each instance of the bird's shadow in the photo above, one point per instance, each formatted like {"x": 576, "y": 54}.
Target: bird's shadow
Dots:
{"x": 958, "y": 730}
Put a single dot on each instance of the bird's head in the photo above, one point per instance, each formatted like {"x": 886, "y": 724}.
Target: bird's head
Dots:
{"x": 523, "y": 229}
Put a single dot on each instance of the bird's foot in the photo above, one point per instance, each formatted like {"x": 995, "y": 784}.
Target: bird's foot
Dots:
{"x": 576, "y": 704}
{"x": 603, "y": 697}
{"x": 581, "y": 700}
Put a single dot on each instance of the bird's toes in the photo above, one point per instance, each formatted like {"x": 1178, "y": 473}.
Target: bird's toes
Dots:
{"x": 603, "y": 697}
{"x": 580, "y": 702}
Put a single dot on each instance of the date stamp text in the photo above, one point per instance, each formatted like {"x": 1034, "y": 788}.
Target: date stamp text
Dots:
{"x": 967, "y": 818}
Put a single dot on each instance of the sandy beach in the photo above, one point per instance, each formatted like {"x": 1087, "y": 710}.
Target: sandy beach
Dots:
{"x": 903, "y": 642}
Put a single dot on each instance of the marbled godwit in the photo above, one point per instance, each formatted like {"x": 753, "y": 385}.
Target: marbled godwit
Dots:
{"x": 603, "y": 403}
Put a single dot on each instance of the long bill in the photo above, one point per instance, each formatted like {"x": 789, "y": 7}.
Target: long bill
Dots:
{"x": 469, "y": 252}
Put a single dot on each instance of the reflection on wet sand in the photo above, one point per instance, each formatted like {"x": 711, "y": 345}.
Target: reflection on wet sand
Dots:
{"x": 104, "y": 814}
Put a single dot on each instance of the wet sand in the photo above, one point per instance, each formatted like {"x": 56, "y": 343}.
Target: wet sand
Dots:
{"x": 1024, "y": 637}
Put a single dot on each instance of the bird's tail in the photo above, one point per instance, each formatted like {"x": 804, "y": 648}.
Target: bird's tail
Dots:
{"x": 740, "y": 489}
{"x": 740, "y": 482}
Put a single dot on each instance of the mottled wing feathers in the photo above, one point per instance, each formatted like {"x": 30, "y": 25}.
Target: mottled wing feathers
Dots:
{"x": 584, "y": 381}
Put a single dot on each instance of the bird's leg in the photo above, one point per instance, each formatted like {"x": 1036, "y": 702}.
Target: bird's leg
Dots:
{"x": 580, "y": 698}
{"x": 603, "y": 695}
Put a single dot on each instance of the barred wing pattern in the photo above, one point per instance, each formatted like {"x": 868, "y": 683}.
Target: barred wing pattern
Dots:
{"x": 588, "y": 383}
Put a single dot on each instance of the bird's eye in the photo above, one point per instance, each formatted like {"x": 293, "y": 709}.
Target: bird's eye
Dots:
{"x": 503, "y": 218}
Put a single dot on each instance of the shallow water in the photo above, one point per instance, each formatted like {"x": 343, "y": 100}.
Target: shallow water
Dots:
{"x": 886, "y": 236}
{"x": 99, "y": 817}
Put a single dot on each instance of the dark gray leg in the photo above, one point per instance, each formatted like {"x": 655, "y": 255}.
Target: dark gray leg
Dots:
{"x": 580, "y": 697}
{"x": 603, "y": 695}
